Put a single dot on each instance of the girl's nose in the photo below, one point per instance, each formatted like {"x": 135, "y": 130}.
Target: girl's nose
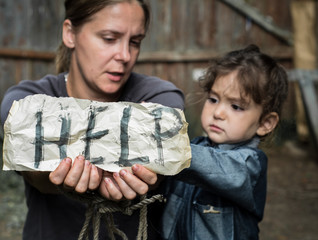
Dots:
{"x": 219, "y": 112}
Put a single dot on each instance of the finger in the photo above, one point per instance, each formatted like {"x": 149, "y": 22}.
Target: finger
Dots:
{"x": 75, "y": 173}
{"x": 110, "y": 190}
{"x": 59, "y": 174}
{"x": 95, "y": 177}
{"x": 103, "y": 190}
{"x": 83, "y": 183}
{"x": 145, "y": 174}
{"x": 124, "y": 187}
{"x": 136, "y": 184}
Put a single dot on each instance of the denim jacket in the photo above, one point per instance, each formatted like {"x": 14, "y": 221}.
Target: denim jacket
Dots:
{"x": 221, "y": 196}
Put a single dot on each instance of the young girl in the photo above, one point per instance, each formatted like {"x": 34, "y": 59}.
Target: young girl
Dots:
{"x": 222, "y": 195}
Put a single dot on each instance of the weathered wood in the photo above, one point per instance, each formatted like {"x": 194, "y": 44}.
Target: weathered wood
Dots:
{"x": 304, "y": 24}
{"x": 303, "y": 16}
{"x": 26, "y": 54}
{"x": 306, "y": 79}
{"x": 261, "y": 20}
{"x": 294, "y": 75}
{"x": 203, "y": 56}
{"x": 160, "y": 56}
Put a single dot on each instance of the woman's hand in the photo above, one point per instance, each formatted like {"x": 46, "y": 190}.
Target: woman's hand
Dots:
{"x": 126, "y": 184}
{"x": 81, "y": 176}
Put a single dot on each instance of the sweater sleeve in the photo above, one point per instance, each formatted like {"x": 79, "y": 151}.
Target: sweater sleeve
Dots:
{"x": 142, "y": 88}
{"x": 50, "y": 85}
{"x": 13, "y": 94}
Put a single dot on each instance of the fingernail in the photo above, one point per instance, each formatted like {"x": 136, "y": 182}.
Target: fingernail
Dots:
{"x": 67, "y": 160}
{"x": 116, "y": 174}
{"x": 135, "y": 167}
{"x": 123, "y": 172}
{"x": 80, "y": 157}
{"x": 108, "y": 180}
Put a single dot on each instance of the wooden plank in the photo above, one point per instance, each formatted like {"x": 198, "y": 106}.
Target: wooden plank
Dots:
{"x": 295, "y": 74}
{"x": 304, "y": 21}
{"x": 261, "y": 20}
{"x": 26, "y": 54}
{"x": 306, "y": 82}
{"x": 203, "y": 56}
{"x": 158, "y": 56}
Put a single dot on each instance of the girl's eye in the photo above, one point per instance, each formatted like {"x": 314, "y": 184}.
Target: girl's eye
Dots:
{"x": 237, "y": 107}
{"x": 212, "y": 100}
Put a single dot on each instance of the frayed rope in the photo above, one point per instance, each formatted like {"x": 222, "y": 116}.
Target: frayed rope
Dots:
{"x": 99, "y": 207}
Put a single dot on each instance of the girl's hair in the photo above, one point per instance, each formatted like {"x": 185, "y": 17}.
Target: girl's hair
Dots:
{"x": 259, "y": 76}
{"x": 79, "y": 12}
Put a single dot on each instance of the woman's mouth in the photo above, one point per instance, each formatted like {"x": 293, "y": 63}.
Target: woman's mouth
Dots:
{"x": 115, "y": 76}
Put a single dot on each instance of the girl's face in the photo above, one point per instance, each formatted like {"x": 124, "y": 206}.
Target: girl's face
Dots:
{"x": 226, "y": 117}
{"x": 105, "y": 50}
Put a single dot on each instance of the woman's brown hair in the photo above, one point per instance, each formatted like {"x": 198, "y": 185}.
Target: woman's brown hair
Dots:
{"x": 79, "y": 12}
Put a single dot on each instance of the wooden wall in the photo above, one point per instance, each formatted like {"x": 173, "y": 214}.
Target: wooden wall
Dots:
{"x": 184, "y": 35}
{"x": 29, "y": 34}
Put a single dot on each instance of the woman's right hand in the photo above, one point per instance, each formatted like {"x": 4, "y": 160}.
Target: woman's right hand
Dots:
{"x": 79, "y": 176}
{"x": 82, "y": 176}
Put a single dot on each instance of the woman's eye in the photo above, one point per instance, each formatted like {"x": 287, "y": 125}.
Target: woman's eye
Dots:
{"x": 135, "y": 43}
{"x": 109, "y": 39}
{"x": 237, "y": 107}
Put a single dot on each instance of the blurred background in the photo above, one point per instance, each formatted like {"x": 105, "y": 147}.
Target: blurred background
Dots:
{"x": 184, "y": 36}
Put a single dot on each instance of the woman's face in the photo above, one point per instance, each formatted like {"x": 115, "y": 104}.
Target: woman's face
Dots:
{"x": 105, "y": 50}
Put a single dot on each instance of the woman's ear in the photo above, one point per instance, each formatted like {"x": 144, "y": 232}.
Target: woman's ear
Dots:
{"x": 268, "y": 124}
{"x": 68, "y": 34}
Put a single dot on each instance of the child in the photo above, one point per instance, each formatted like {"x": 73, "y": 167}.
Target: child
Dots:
{"x": 225, "y": 193}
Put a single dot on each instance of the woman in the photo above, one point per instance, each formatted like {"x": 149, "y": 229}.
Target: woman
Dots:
{"x": 100, "y": 45}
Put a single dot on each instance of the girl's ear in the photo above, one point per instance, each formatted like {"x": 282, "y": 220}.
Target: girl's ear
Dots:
{"x": 268, "y": 123}
{"x": 68, "y": 34}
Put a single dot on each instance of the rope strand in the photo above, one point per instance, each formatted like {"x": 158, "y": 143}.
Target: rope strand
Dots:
{"x": 98, "y": 208}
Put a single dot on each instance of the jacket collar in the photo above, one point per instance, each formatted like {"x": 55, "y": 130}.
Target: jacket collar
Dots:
{"x": 252, "y": 143}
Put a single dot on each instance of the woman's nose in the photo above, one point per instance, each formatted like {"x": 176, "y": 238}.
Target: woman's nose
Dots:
{"x": 123, "y": 53}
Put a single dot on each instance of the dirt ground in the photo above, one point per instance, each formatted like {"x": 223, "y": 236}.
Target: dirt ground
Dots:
{"x": 292, "y": 202}
{"x": 291, "y": 211}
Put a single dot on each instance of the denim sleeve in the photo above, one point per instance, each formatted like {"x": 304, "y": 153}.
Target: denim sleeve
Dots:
{"x": 238, "y": 175}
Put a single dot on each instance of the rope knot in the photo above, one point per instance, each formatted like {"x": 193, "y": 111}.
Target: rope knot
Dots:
{"x": 101, "y": 208}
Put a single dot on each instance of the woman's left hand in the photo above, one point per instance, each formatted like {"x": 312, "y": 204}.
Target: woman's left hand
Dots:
{"x": 126, "y": 184}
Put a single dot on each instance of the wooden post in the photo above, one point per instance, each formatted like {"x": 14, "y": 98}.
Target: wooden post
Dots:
{"x": 305, "y": 48}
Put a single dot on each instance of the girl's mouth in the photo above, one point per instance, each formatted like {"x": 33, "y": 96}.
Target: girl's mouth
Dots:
{"x": 215, "y": 128}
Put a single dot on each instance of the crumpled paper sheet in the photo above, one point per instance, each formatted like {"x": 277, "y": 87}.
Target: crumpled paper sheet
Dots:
{"x": 41, "y": 130}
